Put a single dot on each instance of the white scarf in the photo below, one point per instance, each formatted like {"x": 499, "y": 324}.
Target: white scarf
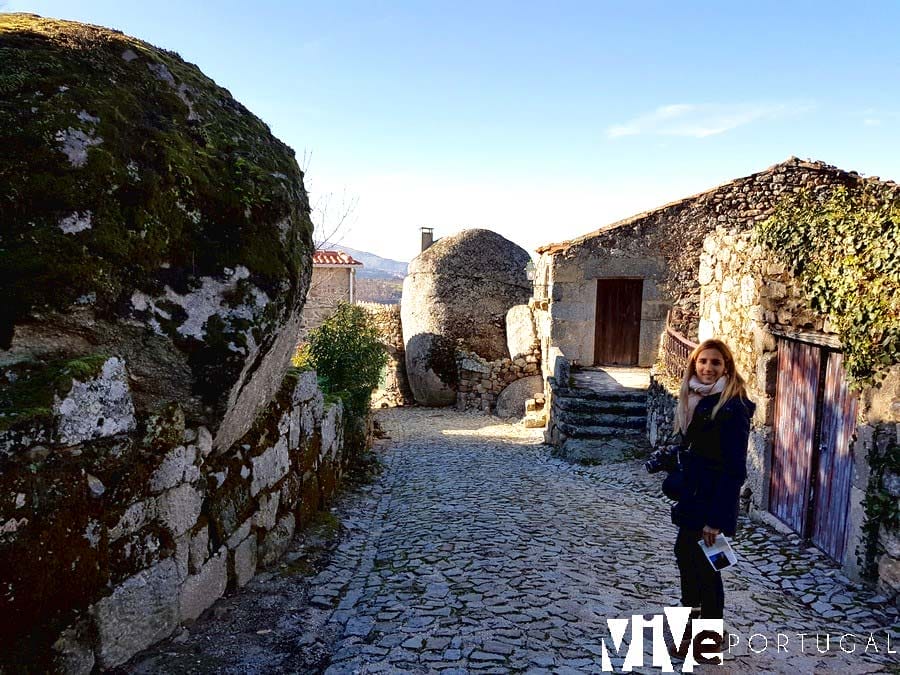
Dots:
{"x": 699, "y": 390}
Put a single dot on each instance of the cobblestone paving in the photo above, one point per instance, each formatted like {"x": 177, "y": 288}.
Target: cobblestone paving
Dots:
{"x": 477, "y": 552}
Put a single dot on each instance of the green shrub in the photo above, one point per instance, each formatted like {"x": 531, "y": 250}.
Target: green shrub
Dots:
{"x": 302, "y": 358}
{"x": 348, "y": 357}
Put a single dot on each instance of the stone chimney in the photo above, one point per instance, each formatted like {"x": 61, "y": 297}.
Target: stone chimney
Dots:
{"x": 427, "y": 237}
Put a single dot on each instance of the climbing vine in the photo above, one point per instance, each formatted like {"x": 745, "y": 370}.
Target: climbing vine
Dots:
{"x": 881, "y": 507}
{"x": 844, "y": 249}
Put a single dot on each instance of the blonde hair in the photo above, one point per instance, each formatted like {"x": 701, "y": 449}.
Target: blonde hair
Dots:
{"x": 735, "y": 385}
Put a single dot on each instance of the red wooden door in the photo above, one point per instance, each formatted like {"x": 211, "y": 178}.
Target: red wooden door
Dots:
{"x": 618, "y": 329}
{"x": 795, "y": 424}
{"x": 812, "y": 461}
{"x": 831, "y": 494}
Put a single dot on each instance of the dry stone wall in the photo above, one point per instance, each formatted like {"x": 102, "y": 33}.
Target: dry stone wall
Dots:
{"x": 157, "y": 255}
{"x": 482, "y": 381}
{"x": 154, "y": 525}
{"x": 878, "y": 434}
{"x": 663, "y": 247}
{"x": 741, "y": 293}
{"x": 662, "y": 398}
{"x": 395, "y": 390}
{"x": 747, "y": 298}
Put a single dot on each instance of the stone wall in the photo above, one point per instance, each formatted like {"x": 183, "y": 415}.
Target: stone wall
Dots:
{"x": 662, "y": 398}
{"x": 481, "y": 381}
{"x": 877, "y": 434}
{"x": 748, "y": 299}
{"x": 109, "y": 539}
{"x": 395, "y": 389}
{"x": 662, "y": 247}
{"x": 327, "y": 287}
{"x": 745, "y": 296}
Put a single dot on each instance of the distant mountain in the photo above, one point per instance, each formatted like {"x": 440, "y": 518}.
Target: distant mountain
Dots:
{"x": 376, "y": 267}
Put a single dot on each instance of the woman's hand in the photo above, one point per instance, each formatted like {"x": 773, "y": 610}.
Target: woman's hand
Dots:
{"x": 709, "y": 535}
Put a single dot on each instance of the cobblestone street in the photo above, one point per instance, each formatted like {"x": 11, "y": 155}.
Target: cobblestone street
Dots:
{"x": 476, "y": 551}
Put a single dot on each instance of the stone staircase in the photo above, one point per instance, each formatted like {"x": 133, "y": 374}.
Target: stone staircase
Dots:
{"x": 597, "y": 420}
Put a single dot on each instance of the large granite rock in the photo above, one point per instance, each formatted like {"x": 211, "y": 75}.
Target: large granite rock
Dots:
{"x": 521, "y": 335}
{"x": 458, "y": 292}
{"x": 511, "y": 401}
{"x": 147, "y": 216}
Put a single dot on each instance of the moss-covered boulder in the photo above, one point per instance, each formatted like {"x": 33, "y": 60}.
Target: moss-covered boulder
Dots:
{"x": 145, "y": 214}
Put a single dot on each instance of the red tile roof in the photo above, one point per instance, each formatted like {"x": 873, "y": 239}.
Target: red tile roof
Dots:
{"x": 333, "y": 258}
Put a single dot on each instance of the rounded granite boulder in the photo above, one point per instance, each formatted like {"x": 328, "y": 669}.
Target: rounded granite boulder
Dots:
{"x": 457, "y": 293}
{"x": 147, "y": 215}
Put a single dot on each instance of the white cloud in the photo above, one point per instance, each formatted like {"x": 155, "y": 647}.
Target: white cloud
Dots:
{"x": 872, "y": 122}
{"x": 703, "y": 119}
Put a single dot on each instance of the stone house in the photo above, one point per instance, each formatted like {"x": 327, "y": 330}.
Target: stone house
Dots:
{"x": 333, "y": 281}
{"x": 642, "y": 291}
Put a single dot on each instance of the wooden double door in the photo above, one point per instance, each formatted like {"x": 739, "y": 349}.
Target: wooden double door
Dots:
{"x": 812, "y": 460}
{"x": 617, "y": 332}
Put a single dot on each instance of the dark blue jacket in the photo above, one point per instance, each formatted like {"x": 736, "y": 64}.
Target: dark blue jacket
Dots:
{"x": 715, "y": 465}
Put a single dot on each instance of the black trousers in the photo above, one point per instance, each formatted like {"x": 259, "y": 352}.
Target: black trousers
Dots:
{"x": 701, "y": 585}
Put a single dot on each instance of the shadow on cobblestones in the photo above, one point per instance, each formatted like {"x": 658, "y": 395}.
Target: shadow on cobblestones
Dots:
{"x": 476, "y": 551}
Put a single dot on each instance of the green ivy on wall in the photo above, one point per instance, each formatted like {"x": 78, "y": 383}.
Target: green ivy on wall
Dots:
{"x": 844, "y": 249}
{"x": 881, "y": 507}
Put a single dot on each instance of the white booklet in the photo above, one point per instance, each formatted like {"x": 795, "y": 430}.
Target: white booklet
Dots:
{"x": 720, "y": 554}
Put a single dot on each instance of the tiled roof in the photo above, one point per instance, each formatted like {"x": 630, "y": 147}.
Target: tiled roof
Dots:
{"x": 333, "y": 258}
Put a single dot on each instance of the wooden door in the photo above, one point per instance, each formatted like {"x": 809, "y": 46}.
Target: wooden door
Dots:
{"x": 618, "y": 324}
{"x": 812, "y": 461}
{"x": 795, "y": 424}
{"x": 831, "y": 494}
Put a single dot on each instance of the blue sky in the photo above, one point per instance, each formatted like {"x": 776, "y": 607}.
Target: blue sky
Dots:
{"x": 539, "y": 122}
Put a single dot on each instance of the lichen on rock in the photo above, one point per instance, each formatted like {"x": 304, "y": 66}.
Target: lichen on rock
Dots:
{"x": 96, "y": 408}
{"x": 129, "y": 174}
{"x": 65, "y": 403}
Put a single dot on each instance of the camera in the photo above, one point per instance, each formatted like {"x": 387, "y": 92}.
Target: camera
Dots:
{"x": 664, "y": 459}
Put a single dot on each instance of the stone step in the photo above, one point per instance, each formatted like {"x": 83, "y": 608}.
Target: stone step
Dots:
{"x": 535, "y": 420}
{"x": 590, "y": 394}
{"x": 593, "y": 419}
{"x": 601, "y": 406}
{"x": 600, "y": 431}
{"x": 602, "y": 451}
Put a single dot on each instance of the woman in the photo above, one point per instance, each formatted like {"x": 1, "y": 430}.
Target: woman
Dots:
{"x": 713, "y": 415}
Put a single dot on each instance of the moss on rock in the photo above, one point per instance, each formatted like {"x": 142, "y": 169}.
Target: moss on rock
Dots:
{"x": 28, "y": 390}
{"x": 133, "y": 185}
{"x": 120, "y": 159}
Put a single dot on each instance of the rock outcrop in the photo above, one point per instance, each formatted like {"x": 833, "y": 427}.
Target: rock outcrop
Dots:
{"x": 146, "y": 215}
{"x": 521, "y": 335}
{"x": 511, "y": 401}
{"x": 155, "y": 253}
{"x": 457, "y": 293}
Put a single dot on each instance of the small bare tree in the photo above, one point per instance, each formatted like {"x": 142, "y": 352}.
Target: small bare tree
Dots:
{"x": 332, "y": 214}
